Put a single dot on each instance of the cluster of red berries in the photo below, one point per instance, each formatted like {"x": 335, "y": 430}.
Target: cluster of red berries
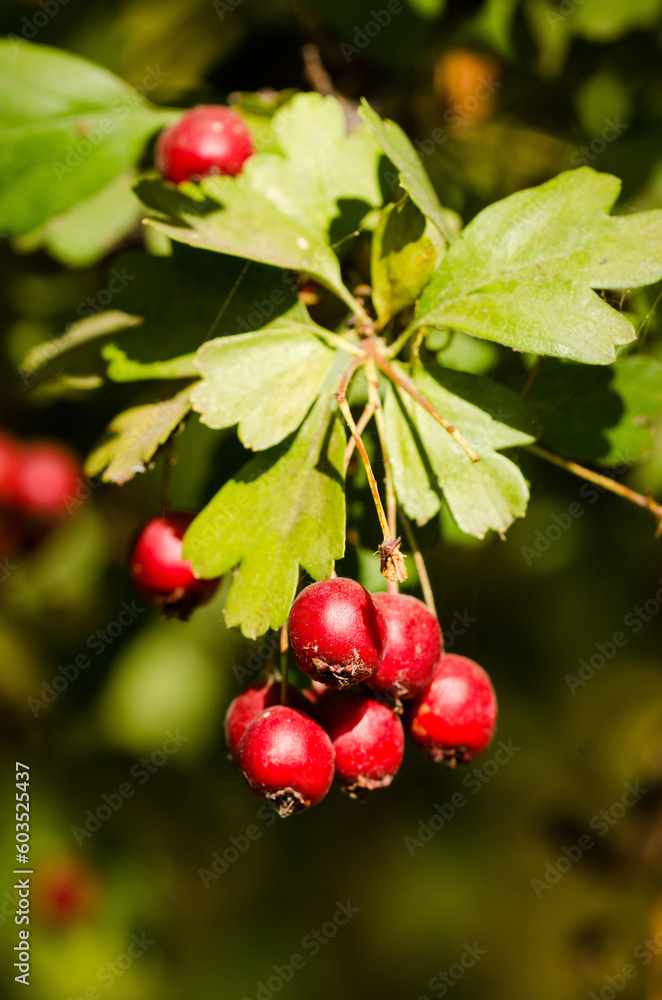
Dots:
{"x": 39, "y": 484}
{"x": 208, "y": 139}
{"x": 160, "y": 573}
{"x": 391, "y": 645}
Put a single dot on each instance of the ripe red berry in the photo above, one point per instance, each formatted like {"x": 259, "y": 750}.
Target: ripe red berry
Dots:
{"x": 287, "y": 759}
{"x": 46, "y": 478}
{"x": 208, "y": 139}
{"x": 413, "y": 646}
{"x": 159, "y": 571}
{"x": 253, "y": 700}
{"x": 317, "y": 692}
{"x": 336, "y": 632}
{"x": 368, "y": 741}
{"x": 455, "y": 718}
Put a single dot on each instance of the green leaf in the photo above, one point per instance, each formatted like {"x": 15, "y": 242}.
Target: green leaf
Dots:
{"x": 284, "y": 210}
{"x": 607, "y": 20}
{"x": 122, "y": 369}
{"x": 89, "y": 230}
{"x": 599, "y": 414}
{"x": 523, "y": 271}
{"x": 168, "y": 306}
{"x": 266, "y": 381}
{"x": 67, "y": 129}
{"x": 285, "y": 509}
{"x": 133, "y": 437}
{"x": 403, "y": 259}
{"x": 187, "y": 298}
{"x": 405, "y": 159}
{"x": 45, "y": 360}
{"x": 234, "y": 219}
{"x": 428, "y": 463}
{"x": 326, "y": 179}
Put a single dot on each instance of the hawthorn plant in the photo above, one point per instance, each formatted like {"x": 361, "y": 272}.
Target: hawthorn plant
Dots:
{"x": 254, "y": 304}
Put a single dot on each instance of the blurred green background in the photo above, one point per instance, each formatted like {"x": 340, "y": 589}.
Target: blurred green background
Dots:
{"x": 182, "y": 884}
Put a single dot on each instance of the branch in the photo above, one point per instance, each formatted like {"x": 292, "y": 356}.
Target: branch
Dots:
{"x": 408, "y": 387}
{"x": 605, "y": 482}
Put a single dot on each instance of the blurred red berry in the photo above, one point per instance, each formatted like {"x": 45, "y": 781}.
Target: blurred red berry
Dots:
{"x": 46, "y": 479}
{"x": 159, "y": 571}
{"x": 208, "y": 139}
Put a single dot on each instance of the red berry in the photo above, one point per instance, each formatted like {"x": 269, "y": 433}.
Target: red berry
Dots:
{"x": 336, "y": 632}
{"x": 287, "y": 759}
{"x": 209, "y": 139}
{"x": 455, "y": 718}
{"x": 67, "y": 890}
{"x": 413, "y": 646}
{"x": 368, "y": 741}
{"x": 253, "y": 700}
{"x": 46, "y": 478}
{"x": 317, "y": 692}
{"x": 10, "y": 451}
{"x": 160, "y": 573}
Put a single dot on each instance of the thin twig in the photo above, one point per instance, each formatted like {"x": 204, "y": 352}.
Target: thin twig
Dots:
{"x": 408, "y": 387}
{"x": 372, "y": 482}
{"x": 605, "y": 482}
{"x": 364, "y": 420}
{"x": 373, "y": 396}
{"x": 426, "y": 587}
{"x": 400, "y": 342}
{"x": 533, "y": 375}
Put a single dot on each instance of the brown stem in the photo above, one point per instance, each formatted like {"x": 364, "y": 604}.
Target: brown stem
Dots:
{"x": 341, "y": 400}
{"x": 408, "y": 387}
{"x": 533, "y": 375}
{"x": 605, "y": 482}
{"x": 391, "y": 506}
{"x": 426, "y": 587}
{"x": 364, "y": 419}
{"x": 374, "y": 398}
